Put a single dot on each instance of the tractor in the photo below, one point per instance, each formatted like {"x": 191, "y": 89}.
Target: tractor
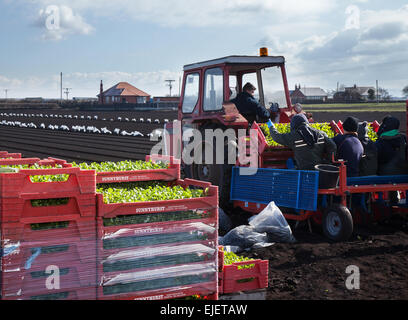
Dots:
{"x": 207, "y": 89}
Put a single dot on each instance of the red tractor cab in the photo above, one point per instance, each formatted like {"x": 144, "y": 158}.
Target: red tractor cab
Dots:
{"x": 209, "y": 86}
{"x": 207, "y": 89}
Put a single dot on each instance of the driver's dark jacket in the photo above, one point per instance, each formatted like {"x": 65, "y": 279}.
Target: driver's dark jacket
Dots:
{"x": 251, "y": 109}
{"x": 306, "y": 157}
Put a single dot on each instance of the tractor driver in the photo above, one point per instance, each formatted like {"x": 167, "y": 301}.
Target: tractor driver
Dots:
{"x": 247, "y": 105}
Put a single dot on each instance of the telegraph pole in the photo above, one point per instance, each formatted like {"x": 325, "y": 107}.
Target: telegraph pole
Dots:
{"x": 61, "y": 88}
{"x": 170, "y": 84}
{"x": 67, "y": 91}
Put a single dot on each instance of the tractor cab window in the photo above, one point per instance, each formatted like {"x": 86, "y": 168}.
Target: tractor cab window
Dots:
{"x": 191, "y": 92}
{"x": 233, "y": 86}
{"x": 213, "y": 89}
{"x": 251, "y": 77}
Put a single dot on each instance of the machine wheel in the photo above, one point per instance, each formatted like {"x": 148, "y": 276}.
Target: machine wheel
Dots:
{"x": 217, "y": 174}
{"x": 337, "y": 223}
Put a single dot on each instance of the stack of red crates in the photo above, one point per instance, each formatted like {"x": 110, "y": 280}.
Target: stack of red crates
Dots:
{"x": 158, "y": 249}
{"x": 47, "y": 252}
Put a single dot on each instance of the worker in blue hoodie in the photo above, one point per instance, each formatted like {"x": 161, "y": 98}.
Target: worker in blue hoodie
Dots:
{"x": 349, "y": 147}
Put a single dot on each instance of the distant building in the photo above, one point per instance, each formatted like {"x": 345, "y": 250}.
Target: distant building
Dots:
{"x": 354, "y": 94}
{"x": 122, "y": 92}
{"x": 312, "y": 94}
{"x": 359, "y": 91}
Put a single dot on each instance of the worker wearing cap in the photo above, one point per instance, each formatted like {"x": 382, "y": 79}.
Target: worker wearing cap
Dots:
{"x": 349, "y": 147}
{"x": 309, "y": 145}
{"x": 247, "y": 105}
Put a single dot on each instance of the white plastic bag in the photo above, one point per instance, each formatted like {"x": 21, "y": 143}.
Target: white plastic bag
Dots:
{"x": 272, "y": 221}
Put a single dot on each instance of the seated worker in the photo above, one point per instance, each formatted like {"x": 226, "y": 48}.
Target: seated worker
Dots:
{"x": 368, "y": 163}
{"x": 247, "y": 105}
{"x": 392, "y": 148}
{"x": 349, "y": 147}
{"x": 309, "y": 145}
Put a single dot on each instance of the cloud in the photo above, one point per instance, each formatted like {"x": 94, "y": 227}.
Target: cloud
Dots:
{"x": 198, "y": 13}
{"x": 385, "y": 31}
{"x": 58, "y": 22}
{"x": 375, "y": 50}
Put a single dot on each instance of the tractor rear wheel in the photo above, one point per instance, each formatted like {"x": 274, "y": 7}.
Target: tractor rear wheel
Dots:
{"x": 217, "y": 174}
{"x": 337, "y": 223}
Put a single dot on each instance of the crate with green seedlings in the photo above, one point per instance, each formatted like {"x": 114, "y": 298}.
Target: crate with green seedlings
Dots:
{"x": 158, "y": 256}
{"x": 125, "y": 165}
{"x": 239, "y": 273}
{"x": 145, "y": 191}
{"x": 174, "y": 277}
{"x": 162, "y": 168}
{"x": 36, "y": 166}
{"x": 151, "y": 197}
{"x": 154, "y": 239}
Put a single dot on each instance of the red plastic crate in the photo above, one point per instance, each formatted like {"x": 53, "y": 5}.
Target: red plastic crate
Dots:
{"x": 220, "y": 270}
{"x": 46, "y": 162}
{"x": 116, "y": 209}
{"x": 169, "y": 174}
{"x": 73, "y": 229}
{"x": 173, "y": 227}
{"x": 84, "y": 293}
{"x": 17, "y": 184}
{"x": 245, "y": 279}
{"x": 40, "y": 254}
{"x": 202, "y": 289}
{"x": 232, "y": 279}
{"x": 6, "y": 155}
{"x": 21, "y": 208}
{"x": 103, "y": 277}
{"x": 262, "y": 143}
{"x": 72, "y": 275}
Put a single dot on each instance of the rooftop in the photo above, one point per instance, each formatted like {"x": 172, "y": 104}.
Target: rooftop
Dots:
{"x": 253, "y": 61}
{"x": 125, "y": 89}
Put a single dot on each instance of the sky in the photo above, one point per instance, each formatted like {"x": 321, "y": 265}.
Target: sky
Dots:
{"x": 325, "y": 42}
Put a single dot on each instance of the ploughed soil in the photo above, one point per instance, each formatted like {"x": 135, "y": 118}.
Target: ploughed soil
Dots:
{"x": 316, "y": 268}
